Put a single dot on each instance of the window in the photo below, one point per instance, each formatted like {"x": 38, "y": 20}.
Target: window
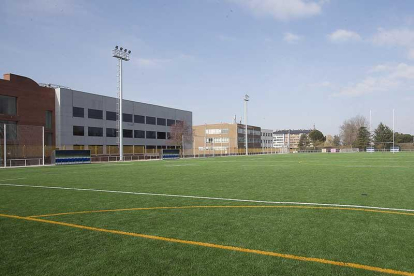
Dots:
{"x": 48, "y": 139}
{"x": 150, "y": 120}
{"x": 168, "y": 135}
{"x": 8, "y": 105}
{"x": 178, "y": 122}
{"x": 127, "y": 133}
{"x": 151, "y": 135}
{"x": 78, "y": 112}
{"x": 111, "y": 116}
{"x": 139, "y": 119}
{"x": 127, "y": 118}
{"x": 78, "y": 131}
{"x": 95, "y": 114}
{"x": 48, "y": 119}
{"x": 161, "y": 135}
{"x": 139, "y": 134}
{"x": 11, "y": 130}
{"x": 161, "y": 122}
{"x": 95, "y": 131}
{"x": 111, "y": 132}
{"x": 170, "y": 122}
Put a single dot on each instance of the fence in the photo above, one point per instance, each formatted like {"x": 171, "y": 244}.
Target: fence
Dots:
{"x": 221, "y": 145}
{"x": 23, "y": 145}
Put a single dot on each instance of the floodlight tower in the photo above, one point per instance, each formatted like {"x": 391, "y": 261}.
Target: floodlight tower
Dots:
{"x": 246, "y": 99}
{"x": 122, "y": 55}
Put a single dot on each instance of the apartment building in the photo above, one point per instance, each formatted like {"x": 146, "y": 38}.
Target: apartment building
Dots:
{"x": 225, "y": 138}
{"x": 288, "y": 138}
{"x": 267, "y": 138}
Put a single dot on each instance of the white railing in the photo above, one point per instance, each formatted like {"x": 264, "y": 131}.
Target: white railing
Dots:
{"x": 24, "y": 162}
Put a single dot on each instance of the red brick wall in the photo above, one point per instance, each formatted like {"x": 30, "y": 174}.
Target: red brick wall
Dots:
{"x": 32, "y": 101}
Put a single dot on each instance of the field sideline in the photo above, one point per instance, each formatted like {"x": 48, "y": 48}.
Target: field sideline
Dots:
{"x": 297, "y": 214}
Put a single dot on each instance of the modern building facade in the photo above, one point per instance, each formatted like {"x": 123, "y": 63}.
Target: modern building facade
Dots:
{"x": 267, "y": 138}
{"x": 288, "y": 138}
{"x": 89, "y": 121}
{"x": 69, "y": 119}
{"x": 225, "y": 138}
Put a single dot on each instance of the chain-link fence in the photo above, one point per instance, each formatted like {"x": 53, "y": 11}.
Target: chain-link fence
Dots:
{"x": 211, "y": 146}
{"x": 23, "y": 145}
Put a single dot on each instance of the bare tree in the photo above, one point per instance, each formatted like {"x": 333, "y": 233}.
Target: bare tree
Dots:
{"x": 349, "y": 129}
{"x": 180, "y": 134}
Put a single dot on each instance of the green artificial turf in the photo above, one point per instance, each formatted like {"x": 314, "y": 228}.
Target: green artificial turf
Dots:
{"x": 369, "y": 238}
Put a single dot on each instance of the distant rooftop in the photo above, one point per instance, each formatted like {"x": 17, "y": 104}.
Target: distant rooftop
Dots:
{"x": 292, "y": 131}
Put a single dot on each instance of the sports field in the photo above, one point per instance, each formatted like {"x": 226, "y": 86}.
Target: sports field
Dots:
{"x": 218, "y": 216}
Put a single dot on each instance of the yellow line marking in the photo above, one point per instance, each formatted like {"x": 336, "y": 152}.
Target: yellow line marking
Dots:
{"x": 224, "y": 247}
{"x": 227, "y": 206}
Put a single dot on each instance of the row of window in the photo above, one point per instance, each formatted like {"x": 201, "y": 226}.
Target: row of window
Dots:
{"x": 127, "y": 133}
{"x": 249, "y": 131}
{"x": 242, "y": 139}
{"x": 217, "y": 131}
{"x": 217, "y": 140}
{"x": 128, "y": 118}
{"x": 267, "y": 134}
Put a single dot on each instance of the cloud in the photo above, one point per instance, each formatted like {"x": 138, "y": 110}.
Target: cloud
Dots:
{"x": 340, "y": 36}
{"x": 388, "y": 79}
{"x": 379, "y": 68}
{"x": 402, "y": 37}
{"x": 283, "y": 10}
{"x": 291, "y": 38}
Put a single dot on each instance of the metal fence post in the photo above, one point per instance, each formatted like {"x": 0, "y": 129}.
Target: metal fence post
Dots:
{"x": 5, "y": 145}
{"x": 43, "y": 146}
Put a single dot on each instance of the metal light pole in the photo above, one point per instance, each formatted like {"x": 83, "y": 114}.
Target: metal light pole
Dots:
{"x": 393, "y": 131}
{"x": 246, "y": 99}
{"x": 121, "y": 54}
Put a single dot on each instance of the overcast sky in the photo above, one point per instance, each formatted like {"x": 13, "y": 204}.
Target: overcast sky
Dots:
{"x": 302, "y": 62}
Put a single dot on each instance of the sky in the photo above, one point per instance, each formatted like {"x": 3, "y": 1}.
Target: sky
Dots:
{"x": 302, "y": 62}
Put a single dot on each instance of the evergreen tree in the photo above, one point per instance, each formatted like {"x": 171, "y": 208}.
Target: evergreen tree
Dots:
{"x": 383, "y": 136}
{"x": 363, "y": 138}
{"x": 337, "y": 141}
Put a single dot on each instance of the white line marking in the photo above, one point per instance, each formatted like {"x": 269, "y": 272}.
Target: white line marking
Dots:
{"x": 212, "y": 198}
{"x": 12, "y": 179}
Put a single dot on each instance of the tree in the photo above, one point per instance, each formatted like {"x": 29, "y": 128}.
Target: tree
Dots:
{"x": 383, "y": 136}
{"x": 303, "y": 142}
{"x": 337, "y": 141}
{"x": 403, "y": 138}
{"x": 316, "y": 136}
{"x": 349, "y": 129}
{"x": 180, "y": 134}
{"x": 329, "y": 142}
{"x": 363, "y": 139}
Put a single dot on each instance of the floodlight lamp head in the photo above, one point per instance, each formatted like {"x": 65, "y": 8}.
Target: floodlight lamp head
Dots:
{"x": 121, "y": 48}
{"x": 116, "y": 47}
{"x": 129, "y": 51}
{"x": 246, "y": 98}
{"x": 125, "y": 50}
